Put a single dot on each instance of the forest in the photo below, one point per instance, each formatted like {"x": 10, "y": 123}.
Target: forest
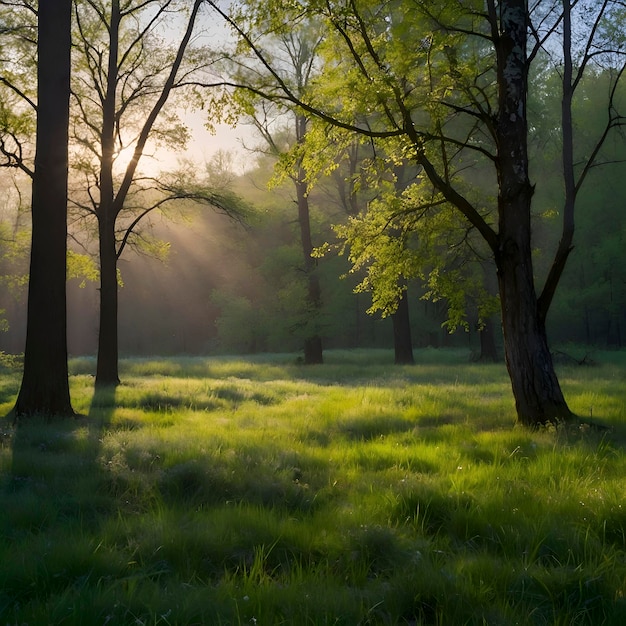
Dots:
{"x": 366, "y": 368}
{"x": 413, "y": 194}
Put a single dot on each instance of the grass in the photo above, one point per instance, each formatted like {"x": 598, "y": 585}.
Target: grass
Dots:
{"x": 260, "y": 491}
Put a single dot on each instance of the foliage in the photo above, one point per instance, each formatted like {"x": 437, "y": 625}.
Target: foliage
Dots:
{"x": 118, "y": 110}
{"x": 81, "y": 266}
{"x": 18, "y": 90}
{"x": 144, "y": 59}
{"x": 143, "y": 62}
{"x": 373, "y": 77}
{"x": 417, "y": 235}
{"x": 240, "y": 323}
{"x": 12, "y": 362}
{"x": 14, "y": 247}
{"x": 273, "y": 315}
{"x": 232, "y": 491}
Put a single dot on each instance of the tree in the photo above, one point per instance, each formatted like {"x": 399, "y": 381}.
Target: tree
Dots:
{"x": 400, "y": 317}
{"x": 295, "y": 52}
{"x": 591, "y": 299}
{"x": 45, "y": 387}
{"x": 313, "y": 343}
{"x": 445, "y": 85}
{"x": 360, "y": 186}
{"x": 125, "y": 78}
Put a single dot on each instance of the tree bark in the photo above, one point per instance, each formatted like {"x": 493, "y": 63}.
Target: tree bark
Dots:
{"x": 45, "y": 387}
{"x": 401, "y": 319}
{"x": 536, "y": 389}
{"x": 402, "y": 341}
{"x": 313, "y": 350}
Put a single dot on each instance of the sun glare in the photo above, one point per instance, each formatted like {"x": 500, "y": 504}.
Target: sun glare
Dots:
{"x": 200, "y": 147}
{"x": 122, "y": 159}
{"x": 151, "y": 162}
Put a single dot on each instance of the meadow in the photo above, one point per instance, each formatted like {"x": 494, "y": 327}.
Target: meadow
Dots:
{"x": 259, "y": 491}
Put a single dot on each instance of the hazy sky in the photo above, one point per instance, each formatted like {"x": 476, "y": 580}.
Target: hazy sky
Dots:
{"x": 202, "y": 144}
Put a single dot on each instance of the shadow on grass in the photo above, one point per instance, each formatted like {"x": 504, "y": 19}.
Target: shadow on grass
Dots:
{"x": 52, "y": 504}
{"x": 58, "y": 456}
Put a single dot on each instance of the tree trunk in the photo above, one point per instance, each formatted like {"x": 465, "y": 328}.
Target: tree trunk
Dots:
{"x": 313, "y": 352}
{"x": 107, "y": 361}
{"x": 538, "y": 396}
{"x": 45, "y": 388}
{"x": 111, "y": 203}
{"x": 569, "y": 182}
{"x": 536, "y": 389}
{"x": 488, "y": 348}
{"x": 402, "y": 342}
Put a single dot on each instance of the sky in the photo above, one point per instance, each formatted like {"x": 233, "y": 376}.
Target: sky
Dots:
{"x": 202, "y": 144}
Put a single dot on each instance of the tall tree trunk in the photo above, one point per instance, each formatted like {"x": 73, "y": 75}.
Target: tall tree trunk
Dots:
{"x": 401, "y": 319}
{"x": 402, "y": 341}
{"x": 107, "y": 362}
{"x": 538, "y": 396}
{"x": 536, "y": 389}
{"x": 313, "y": 352}
{"x": 45, "y": 388}
{"x": 569, "y": 182}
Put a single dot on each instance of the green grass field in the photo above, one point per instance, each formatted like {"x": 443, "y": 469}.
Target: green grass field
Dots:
{"x": 259, "y": 491}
